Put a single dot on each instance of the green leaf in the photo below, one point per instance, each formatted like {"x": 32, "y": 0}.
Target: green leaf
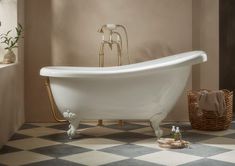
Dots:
{"x": 20, "y": 26}
{"x": 15, "y": 46}
{"x": 2, "y": 37}
{"x": 8, "y": 32}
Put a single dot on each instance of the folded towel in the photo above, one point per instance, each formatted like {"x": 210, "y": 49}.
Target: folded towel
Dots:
{"x": 213, "y": 101}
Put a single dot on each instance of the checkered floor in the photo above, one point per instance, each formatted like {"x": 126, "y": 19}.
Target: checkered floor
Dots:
{"x": 133, "y": 144}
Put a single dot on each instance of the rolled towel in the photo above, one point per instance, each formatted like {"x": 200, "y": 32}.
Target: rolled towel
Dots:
{"x": 213, "y": 101}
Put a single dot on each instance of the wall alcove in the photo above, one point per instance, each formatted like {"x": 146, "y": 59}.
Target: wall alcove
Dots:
{"x": 227, "y": 45}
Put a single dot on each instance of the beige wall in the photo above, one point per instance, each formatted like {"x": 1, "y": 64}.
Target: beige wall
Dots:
{"x": 11, "y": 76}
{"x": 206, "y": 37}
{"x": 154, "y": 28}
{"x": 62, "y": 33}
{"x": 37, "y": 54}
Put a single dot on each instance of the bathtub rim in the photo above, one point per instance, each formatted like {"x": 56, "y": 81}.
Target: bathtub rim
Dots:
{"x": 173, "y": 61}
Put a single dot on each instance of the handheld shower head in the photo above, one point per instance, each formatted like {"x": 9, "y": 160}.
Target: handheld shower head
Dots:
{"x": 109, "y": 27}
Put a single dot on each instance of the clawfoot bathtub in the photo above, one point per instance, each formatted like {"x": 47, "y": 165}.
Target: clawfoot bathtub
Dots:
{"x": 142, "y": 91}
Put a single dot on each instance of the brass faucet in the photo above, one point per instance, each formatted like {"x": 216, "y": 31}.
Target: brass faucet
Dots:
{"x": 115, "y": 38}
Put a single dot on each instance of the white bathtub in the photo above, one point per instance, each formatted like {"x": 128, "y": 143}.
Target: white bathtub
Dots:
{"x": 146, "y": 91}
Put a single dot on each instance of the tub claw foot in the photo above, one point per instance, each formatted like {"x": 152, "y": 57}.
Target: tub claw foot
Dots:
{"x": 74, "y": 123}
{"x": 155, "y": 123}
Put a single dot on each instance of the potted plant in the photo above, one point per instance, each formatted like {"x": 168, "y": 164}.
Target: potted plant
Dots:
{"x": 10, "y": 43}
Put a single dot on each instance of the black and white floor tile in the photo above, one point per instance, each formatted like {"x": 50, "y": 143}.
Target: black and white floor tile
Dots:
{"x": 134, "y": 144}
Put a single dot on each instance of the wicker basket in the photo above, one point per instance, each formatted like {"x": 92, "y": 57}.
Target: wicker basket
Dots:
{"x": 209, "y": 120}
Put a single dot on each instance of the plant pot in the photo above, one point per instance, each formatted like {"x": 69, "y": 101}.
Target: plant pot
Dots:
{"x": 9, "y": 57}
